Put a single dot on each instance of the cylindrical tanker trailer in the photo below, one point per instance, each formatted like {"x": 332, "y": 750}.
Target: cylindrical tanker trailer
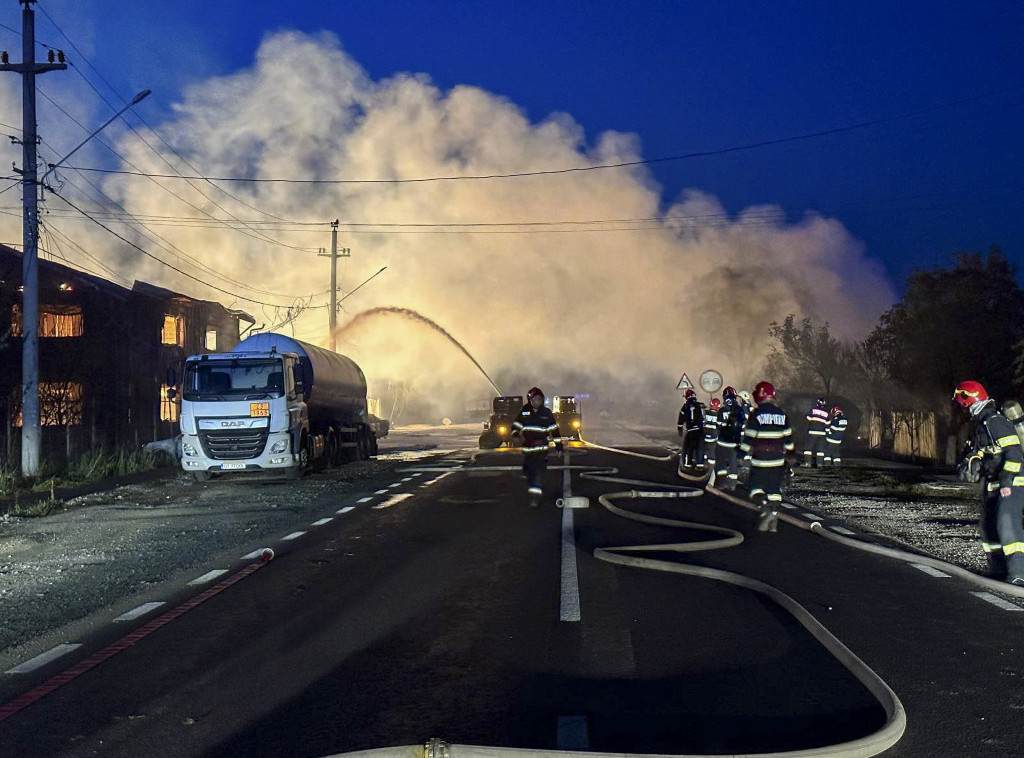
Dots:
{"x": 274, "y": 403}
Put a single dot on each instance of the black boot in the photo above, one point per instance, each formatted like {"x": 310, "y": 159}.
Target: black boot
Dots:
{"x": 996, "y": 565}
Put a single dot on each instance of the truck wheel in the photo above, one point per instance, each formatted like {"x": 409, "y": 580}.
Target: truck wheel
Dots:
{"x": 489, "y": 441}
{"x": 363, "y": 444}
{"x": 201, "y": 476}
{"x": 331, "y": 450}
{"x": 295, "y": 472}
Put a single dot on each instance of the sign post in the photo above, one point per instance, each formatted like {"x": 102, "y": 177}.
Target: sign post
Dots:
{"x": 710, "y": 381}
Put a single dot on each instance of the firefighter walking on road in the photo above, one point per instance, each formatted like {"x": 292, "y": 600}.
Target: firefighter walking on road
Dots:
{"x": 731, "y": 419}
{"x": 711, "y": 432}
{"x": 536, "y": 423}
{"x": 767, "y": 439}
{"x": 994, "y": 458}
{"x": 691, "y": 428}
{"x": 834, "y": 438}
{"x": 817, "y": 430}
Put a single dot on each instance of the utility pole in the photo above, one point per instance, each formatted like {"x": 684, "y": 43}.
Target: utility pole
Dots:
{"x": 31, "y": 434}
{"x": 332, "y": 317}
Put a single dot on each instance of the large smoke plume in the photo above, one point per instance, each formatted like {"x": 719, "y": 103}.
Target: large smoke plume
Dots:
{"x": 614, "y": 308}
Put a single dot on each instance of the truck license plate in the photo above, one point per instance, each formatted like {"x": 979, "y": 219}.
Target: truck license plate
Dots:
{"x": 257, "y": 410}
{"x": 232, "y": 466}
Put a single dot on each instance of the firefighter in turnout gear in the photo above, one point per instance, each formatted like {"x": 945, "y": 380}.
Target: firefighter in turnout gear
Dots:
{"x": 994, "y": 457}
{"x": 817, "y": 430}
{"x": 767, "y": 439}
{"x": 536, "y": 423}
{"x": 711, "y": 432}
{"x": 731, "y": 420}
{"x": 691, "y": 428}
{"x": 834, "y": 437}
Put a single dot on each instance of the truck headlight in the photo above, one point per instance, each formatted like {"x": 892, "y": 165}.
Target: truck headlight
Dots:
{"x": 279, "y": 447}
{"x": 187, "y": 449}
{"x": 502, "y": 430}
{"x": 575, "y": 423}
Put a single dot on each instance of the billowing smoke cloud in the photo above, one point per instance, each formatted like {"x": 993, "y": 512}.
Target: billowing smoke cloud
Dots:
{"x": 613, "y": 308}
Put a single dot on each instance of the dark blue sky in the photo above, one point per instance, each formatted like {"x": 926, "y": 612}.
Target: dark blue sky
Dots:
{"x": 684, "y": 77}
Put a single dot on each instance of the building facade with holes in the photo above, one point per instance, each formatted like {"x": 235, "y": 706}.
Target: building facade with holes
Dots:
{"x": 104, "y": 351}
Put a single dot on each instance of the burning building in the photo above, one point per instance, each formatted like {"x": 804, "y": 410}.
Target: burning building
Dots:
{"x": 104, "y": 351}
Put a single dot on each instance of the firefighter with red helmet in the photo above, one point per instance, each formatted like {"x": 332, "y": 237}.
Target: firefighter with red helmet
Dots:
{"x": 994, "y": 458}
{"x": 768, "y": 439}
{"x": 691, "y": 428}
{"x": 834, "y": 437}
{"x": 817, "y": 430}
{"x": 536, "y": 424}
{"x": 731, "y": 420}
{"x": 711, "y": 432}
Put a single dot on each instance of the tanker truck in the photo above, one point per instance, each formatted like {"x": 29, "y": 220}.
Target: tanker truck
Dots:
{"x": 273, "y": 404}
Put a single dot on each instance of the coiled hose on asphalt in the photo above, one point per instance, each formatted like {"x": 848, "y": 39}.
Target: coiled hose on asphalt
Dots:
{"x": 882, "y": 739}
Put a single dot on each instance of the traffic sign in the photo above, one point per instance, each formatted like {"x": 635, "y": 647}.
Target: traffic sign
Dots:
{"x": 711, "y": 381}
{"x": 684, "y": 383}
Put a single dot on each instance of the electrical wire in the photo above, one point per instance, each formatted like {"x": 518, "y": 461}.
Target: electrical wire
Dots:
{"x": 579, "y": 169}
{"x": 165, "y": 263}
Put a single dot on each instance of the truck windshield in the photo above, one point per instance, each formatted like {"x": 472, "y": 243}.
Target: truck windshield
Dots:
{"x": 235, "y": 379}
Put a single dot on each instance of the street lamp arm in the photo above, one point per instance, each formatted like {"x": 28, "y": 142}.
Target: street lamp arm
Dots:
{"x": 135, "y": 100}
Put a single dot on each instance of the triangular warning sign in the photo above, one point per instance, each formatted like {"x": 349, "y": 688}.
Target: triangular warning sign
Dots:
{"x": 684, "y": 383}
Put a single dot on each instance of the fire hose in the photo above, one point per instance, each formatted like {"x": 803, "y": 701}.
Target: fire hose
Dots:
{"x": 882, "y": 739}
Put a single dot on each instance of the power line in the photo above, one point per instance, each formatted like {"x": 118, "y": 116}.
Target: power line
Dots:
{"x": 579, "y": 169}
{"x": 165, "y": 263}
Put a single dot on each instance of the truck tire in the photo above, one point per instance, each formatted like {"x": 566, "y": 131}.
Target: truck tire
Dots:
{"x": 331, "y": 457}
{"x": 489, "y": 441}
{"x": 363, "y": 443}
{"x": 201, "y": 476}
{"x": 305, "y": 454}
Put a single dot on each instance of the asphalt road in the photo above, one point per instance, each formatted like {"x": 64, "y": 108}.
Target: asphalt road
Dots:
{"x": 435, "y": 607}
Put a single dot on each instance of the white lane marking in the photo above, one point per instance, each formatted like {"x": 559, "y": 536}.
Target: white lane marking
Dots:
{"x": 142, "y": 610}
{"x": 998, "y": 602}
{"x": 364, "y": 500}
{"x": 409, "y": 478}
{"x": 569, "y": 602}
{"x": 572, "y": 733}
{"x": 209, "y": 576}
{"x": 396, "y": 484}
{"x": 322, "y": 521}
{"x": 842, "y": 530}
{"x": 292, "y": 536}
{"x": 381, "y": 492}
{"x": 347, "y": 508}
{"x": 43, "y": 658}
{"x": 788, "y": 505}
{"x": 257, "y": 553}
{"x": 812, "y": 516}
{"x": 393, "y": 500}
{"x": 436, "y": 479}
{"x": 930, "y": 571}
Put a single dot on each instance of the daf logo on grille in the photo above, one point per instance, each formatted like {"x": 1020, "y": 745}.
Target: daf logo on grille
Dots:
{"x": 232, "y": 423}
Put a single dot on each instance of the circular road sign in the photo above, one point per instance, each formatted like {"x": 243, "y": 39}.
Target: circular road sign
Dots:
{"x": 710, "y": 381}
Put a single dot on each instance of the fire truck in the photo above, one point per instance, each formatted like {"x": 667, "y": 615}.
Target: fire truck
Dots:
{"x": 498, "y": 427}
{"x": 568, "y": 415}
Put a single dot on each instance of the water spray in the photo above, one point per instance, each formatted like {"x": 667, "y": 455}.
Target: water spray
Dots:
{"x": 419, "y": 318}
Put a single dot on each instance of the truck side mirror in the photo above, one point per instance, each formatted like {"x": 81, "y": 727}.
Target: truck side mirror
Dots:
{"x": 172, "y": 377}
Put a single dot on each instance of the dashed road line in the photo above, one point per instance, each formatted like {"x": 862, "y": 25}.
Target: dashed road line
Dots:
{"x": 997, "y": 601}
{"x": 142, "y": 610}
{"x": 322, "y": 521}
{"x": 364, "y": 500}
{"x": 842, "y": 530}
{"x": 257, "y": 553}
{"x": 393, "y": 500}
{"x": 788, "y": 505}
{"x": 43, "y": 658}
{"x": 347, "y": 509}
{"x": 569, "y": 600}
{"x": 930, "y": 571}
{"x": 208, "y": 577}
{"x": 812, "y": 516}
{"x": 381, "y": 492}
{"x": 292, "y": 536}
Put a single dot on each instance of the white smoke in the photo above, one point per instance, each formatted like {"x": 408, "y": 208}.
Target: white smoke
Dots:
{"x": 633, "y": 300}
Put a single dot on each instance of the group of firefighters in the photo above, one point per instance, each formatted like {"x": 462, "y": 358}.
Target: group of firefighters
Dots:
{"x": 752, "y": 429}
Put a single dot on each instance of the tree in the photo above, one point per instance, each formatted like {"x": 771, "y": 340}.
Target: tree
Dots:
{"x": 805, "y": 357}
{"x": 955, "y": 324}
